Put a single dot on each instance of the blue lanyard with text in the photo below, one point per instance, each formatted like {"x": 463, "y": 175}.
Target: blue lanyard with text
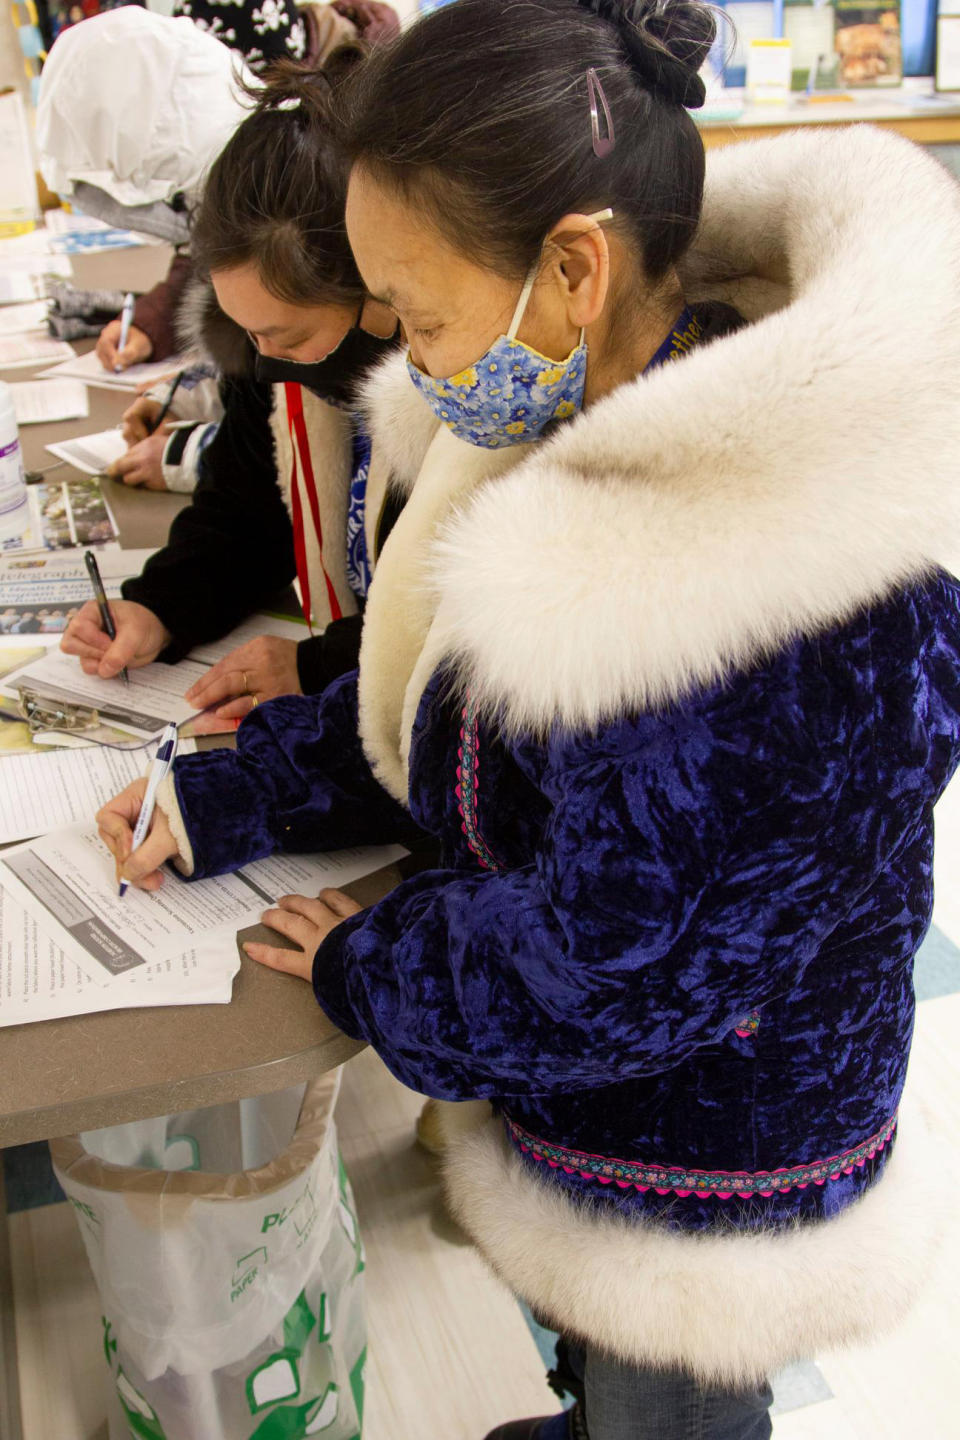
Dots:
{"x": 682, "y": 338}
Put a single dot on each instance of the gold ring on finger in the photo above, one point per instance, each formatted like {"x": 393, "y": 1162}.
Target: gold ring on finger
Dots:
{"x": 246, "y": 684}
{"x": 256, "y": 702}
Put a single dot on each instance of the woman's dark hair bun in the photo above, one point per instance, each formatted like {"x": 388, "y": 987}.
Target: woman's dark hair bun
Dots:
{"x": 666, "y": 42}
{"x": 293, "y": 86}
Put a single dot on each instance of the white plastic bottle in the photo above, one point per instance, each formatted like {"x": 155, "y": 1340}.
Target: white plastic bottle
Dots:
{"x": 14, "y": 510}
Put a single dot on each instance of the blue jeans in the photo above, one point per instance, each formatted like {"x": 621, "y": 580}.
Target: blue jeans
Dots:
{"x": 624, "y": 1402}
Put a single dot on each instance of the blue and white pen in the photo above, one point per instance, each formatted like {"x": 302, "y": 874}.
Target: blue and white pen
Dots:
{"x": 159, "y": 770}
{"x": 126, "y": 319}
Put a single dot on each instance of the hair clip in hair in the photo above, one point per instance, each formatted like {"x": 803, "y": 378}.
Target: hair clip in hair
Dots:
{"x": 602, "y": 144}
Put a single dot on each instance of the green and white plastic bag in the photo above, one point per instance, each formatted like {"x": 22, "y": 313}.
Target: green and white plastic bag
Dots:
{"x": 225, "y": 1247}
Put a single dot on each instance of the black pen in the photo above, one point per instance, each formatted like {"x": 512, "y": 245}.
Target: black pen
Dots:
{"x": 167, "y": 403}
{"x": 106, "y": 619}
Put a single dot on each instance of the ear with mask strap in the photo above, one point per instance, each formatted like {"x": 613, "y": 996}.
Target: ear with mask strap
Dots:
{"x": 531, "y": 280}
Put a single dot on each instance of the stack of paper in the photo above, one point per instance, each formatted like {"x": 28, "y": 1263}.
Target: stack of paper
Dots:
{"x": 174, "y": 946}
{"x": 88, "y": 369}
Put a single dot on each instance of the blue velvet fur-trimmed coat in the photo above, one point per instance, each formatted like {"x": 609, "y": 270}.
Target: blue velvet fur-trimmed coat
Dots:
{"x": 676, "y": 692}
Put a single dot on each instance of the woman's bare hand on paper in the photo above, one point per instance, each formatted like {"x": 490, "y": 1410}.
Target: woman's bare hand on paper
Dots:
{"x": 260, "y": 670}
{"x": 141, "y": 635}
{"x": 115, "y": 824}
{"x": 307, "y": 923}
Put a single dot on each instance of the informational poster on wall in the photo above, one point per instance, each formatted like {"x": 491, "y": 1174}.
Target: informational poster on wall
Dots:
{"x": 810, "y": 26}
{"x": 741, "y": 22}
{"x": 868, "y": 43}
{"x": 947, "y": 69}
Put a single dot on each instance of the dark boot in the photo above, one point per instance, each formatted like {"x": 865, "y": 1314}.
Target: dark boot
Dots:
{"x": 566, "y": 1426}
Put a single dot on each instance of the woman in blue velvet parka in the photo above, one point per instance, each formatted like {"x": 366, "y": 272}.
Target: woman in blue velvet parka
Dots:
{"x": 676, "y": 689}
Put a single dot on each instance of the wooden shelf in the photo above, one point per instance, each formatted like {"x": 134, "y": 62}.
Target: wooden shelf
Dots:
{"x": 913, "y": 110}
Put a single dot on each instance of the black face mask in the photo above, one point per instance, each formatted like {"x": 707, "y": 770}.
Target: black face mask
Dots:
{"x": 336, "y": 377}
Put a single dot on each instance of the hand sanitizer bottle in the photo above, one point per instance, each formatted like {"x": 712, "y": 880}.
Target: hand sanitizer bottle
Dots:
{"x": 14, "y": 510}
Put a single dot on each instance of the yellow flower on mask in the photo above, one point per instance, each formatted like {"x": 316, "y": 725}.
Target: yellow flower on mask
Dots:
{"x": 564, "y": 410}
{"x": 551, "y": 376}
{"x": 466, "y": 380}
{"x": 517, "y": 427}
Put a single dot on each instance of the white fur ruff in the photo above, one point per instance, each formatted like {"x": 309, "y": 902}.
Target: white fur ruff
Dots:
{"x": 731, "y": 1308}
{"x": 703, "y": 516}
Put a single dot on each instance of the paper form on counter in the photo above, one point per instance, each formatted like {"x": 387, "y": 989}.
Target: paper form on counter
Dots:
{"x": 153, "y": 697}
{"x": 261, "y": 624}
{"x": 88, "y": 369}
{"x": 16, "y": 319}
{"x": 91, "y": 453}
{"x": 37, "y": 400}
{"x": 67, "y": 884}
{"x": 39, "y": 982}
{"x": 40, "y": 792}
{"x": 35, "y": 266}
{"x": 32, "y": 347}
{"x": 19, "y": 288}
{"x": 155, "y": 693}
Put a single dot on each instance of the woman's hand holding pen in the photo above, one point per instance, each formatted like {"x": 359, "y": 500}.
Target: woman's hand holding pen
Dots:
{"x": 260, "y": 670}
{"x": 304, "y": 921}
{"x": 139, "y": 420}
{"x": 146, "y": 442}
{"x": 139, "y": 347}
{"x": 143, "y": 462}
{"x": 141, "y": 636}
{"x": 115, "y": 824}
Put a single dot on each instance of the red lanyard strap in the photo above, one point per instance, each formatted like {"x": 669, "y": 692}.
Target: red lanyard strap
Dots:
{"x": 300, "y": 443}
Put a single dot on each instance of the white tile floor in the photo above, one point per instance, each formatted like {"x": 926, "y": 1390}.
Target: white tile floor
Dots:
{"x": 450, "y": 1354}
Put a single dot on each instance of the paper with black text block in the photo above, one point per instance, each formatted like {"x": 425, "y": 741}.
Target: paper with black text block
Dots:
{"x": 67, "y": 883}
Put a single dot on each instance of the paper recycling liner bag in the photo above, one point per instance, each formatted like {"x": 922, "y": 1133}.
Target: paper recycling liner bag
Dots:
{"x": 229, "y": 1263}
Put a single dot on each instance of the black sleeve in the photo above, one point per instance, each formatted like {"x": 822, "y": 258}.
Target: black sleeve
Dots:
{"x": 230, "y": 552}
{"x": 322, "y": 658}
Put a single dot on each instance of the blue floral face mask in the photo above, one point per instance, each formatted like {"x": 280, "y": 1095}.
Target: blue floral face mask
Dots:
{"x": 512, "y": 393}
